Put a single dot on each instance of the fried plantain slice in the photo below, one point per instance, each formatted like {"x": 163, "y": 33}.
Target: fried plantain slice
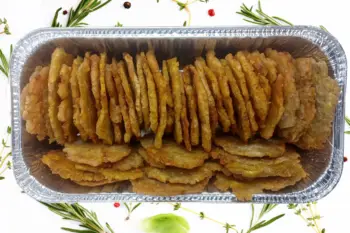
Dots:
{"x": 135, "y": 128}
{"x": 173, "y": 66}
{"x": 161, "y": 95}
{"x": 58, "y": 58}
{"x": 144, "y": 96}
{"x": 305, "y": 77}
{"x": 240, "y": 107}
{"x": 135, "y": 85}
{"x": 170, "y": 102}
{"x": 114, "y": 107}
{"x": 291, "y": 96}
{"x": 271, "y": 68}
{"x": 257, "y": 63}
{"x": 213, "y": 115}
{"x": 65, "y": 109}
{"x": 251, "y": 115}
{"x": 203, "y": 110}
{"x": 183, "y": 176}
{"x": 87, "y": 108}
{"x": 112, "y": 174}
{"x": 122, "y": 102}
{"x": 284, "y": 166}
{"x": 244, "y": 190}
{"x": 104, "y": 125}
{"x": 149, "y": 159}
{"x": 152, "y": 94}
{"x": 327, "y": 94}
{"x": 96, "y": 154}
{"x": 191, "y": 106}
{"x": 184, "y": 119}
{"x": 276, "y": 109}
{"x": 174, "y": 155}
{"x": 95, "y": 183}
{"x": 74, "y": 87}
{"x": 215, "y": 65}
{"x": 153, "y": 187}
{"x": 95, "y": 73}
{"x": 33, "y": 102}
{"x": 60, "y": 165}
{"x": 215, "y": 89}
{"x": 259, "y": 100}
{"x": 256, "y": 148}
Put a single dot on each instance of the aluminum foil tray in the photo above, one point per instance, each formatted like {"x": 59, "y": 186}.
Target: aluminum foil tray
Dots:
{"x": 324, "y": 167}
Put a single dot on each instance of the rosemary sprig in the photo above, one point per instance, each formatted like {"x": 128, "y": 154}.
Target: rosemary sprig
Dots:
{"x": 5, "y": 164}
{"x": 6, "y": 27}
{"x": 256, "y": 224}
{"x": 77, "y": 15}
{"x": 347, "y": 120}
{"x": 4, "y": 62}
{"x": 260, "y": 17}
{"x": 185, "y": 6}
{"x": 308, "y": 212}
{"x": 75, "y": 212}
{"x": 130, "y": 207}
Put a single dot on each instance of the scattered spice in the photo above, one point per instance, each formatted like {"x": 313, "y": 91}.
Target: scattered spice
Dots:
{"x": 211, "y": 12}
{"x": 127, "y": 5}
{"x": 116, "y": 204}
{"x": 65, "y": 12}
{"x": 345, "y": 159}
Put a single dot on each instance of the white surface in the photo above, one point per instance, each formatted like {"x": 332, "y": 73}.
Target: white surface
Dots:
{"x": 19, "y": 213}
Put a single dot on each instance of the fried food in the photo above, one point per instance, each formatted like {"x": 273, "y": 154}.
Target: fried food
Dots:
{"x": 184, "y": 119}
{"x": 122, "y": 102}
{"x": 87, "y": 106}
{"x": 143, "y": 90}
{"x": 244, "y": 190}
{"x": 135, "y": 85}
{"x": 192, "y": 107}
{"x": 283, "y": 166}
{"x": 306, "y": 72}
{"x": 256, "y": 148}
{"x": 152, "y": 94}
{"x": 241, "y": 110}
{"x": 173, "y": 66}
{"x": 162, "y": 97}
{"x": 218, "y": 69}
{"x": 257, "y": 63}
{"x": 203, "y": 110}
{"x": 60, "y": 165}
{"x": 74, "y": 87}
{"x": 251, "y": 115}
{"x": 215, "y": 89}
{"x": 276, "y": 109}
{"x": 114, "y": 108}
{"x": 96, "y": 154}
{"x": 259, "y": 100}
{"x": 174, "y": 155}
{"x": 94, "y": 183}
{"x": 33, "y": 103}
{"x": 291, "y": 96}
{"x": 112, "y": 174}
{"x": 95, "y": 81}
{"x": 58, "y": 58}
{"x": 170, "y": 102}
{"x": 104, "y": 125}
{"x": 153, "y": 187}
{"x": 213, "y": 115}
{"x": 134, "y": 160}
{"x": 24, "y": 94}
{"x": 327, "y": 94}
{"x": 239, "y": 75}
{"x": 271, "y": 68}
{"x": 129, "y": 100}
{"x": 183, "y": 176}
{"x": 149, "y": 159}
{"x": 65, "y": 109}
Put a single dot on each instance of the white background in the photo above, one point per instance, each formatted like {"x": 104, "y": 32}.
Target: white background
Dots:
{"x": 19, "y": 213}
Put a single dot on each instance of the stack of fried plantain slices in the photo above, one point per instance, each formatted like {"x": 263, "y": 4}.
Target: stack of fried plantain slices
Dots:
{"x": 103, "y": 100}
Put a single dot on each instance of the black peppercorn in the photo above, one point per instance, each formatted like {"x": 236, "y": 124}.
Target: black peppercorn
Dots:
{"x": 65, "y": 12}
{"x": 127, "y": 5}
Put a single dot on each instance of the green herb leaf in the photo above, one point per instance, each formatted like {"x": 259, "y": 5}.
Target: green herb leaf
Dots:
{"x": 201, "y": 215}
{"x": 181, "y": 5}
{"x": 177, "y": 206}
{"x": 137, "y": 205}
{"x": 127, "y": 206}
{"x": 119, "y": 24}
{"x": 4, "y": 64}
{"x": 323, "y": 28}
{"x": 2, "y": 178}
{"x": 184, "y": 24}
{"x": 55, "y": 23}
{"x": 165, "y": 223}
{"x": 6, "y": 26}
{"x": 8, "y": 130}
{"x": 265, "y": 223}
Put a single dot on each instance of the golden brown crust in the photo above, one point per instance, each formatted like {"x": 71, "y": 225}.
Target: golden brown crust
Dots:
{"x": 184, "y": 119}
{"x": 144, "y": 95}
{"x": 95, "y": 81}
